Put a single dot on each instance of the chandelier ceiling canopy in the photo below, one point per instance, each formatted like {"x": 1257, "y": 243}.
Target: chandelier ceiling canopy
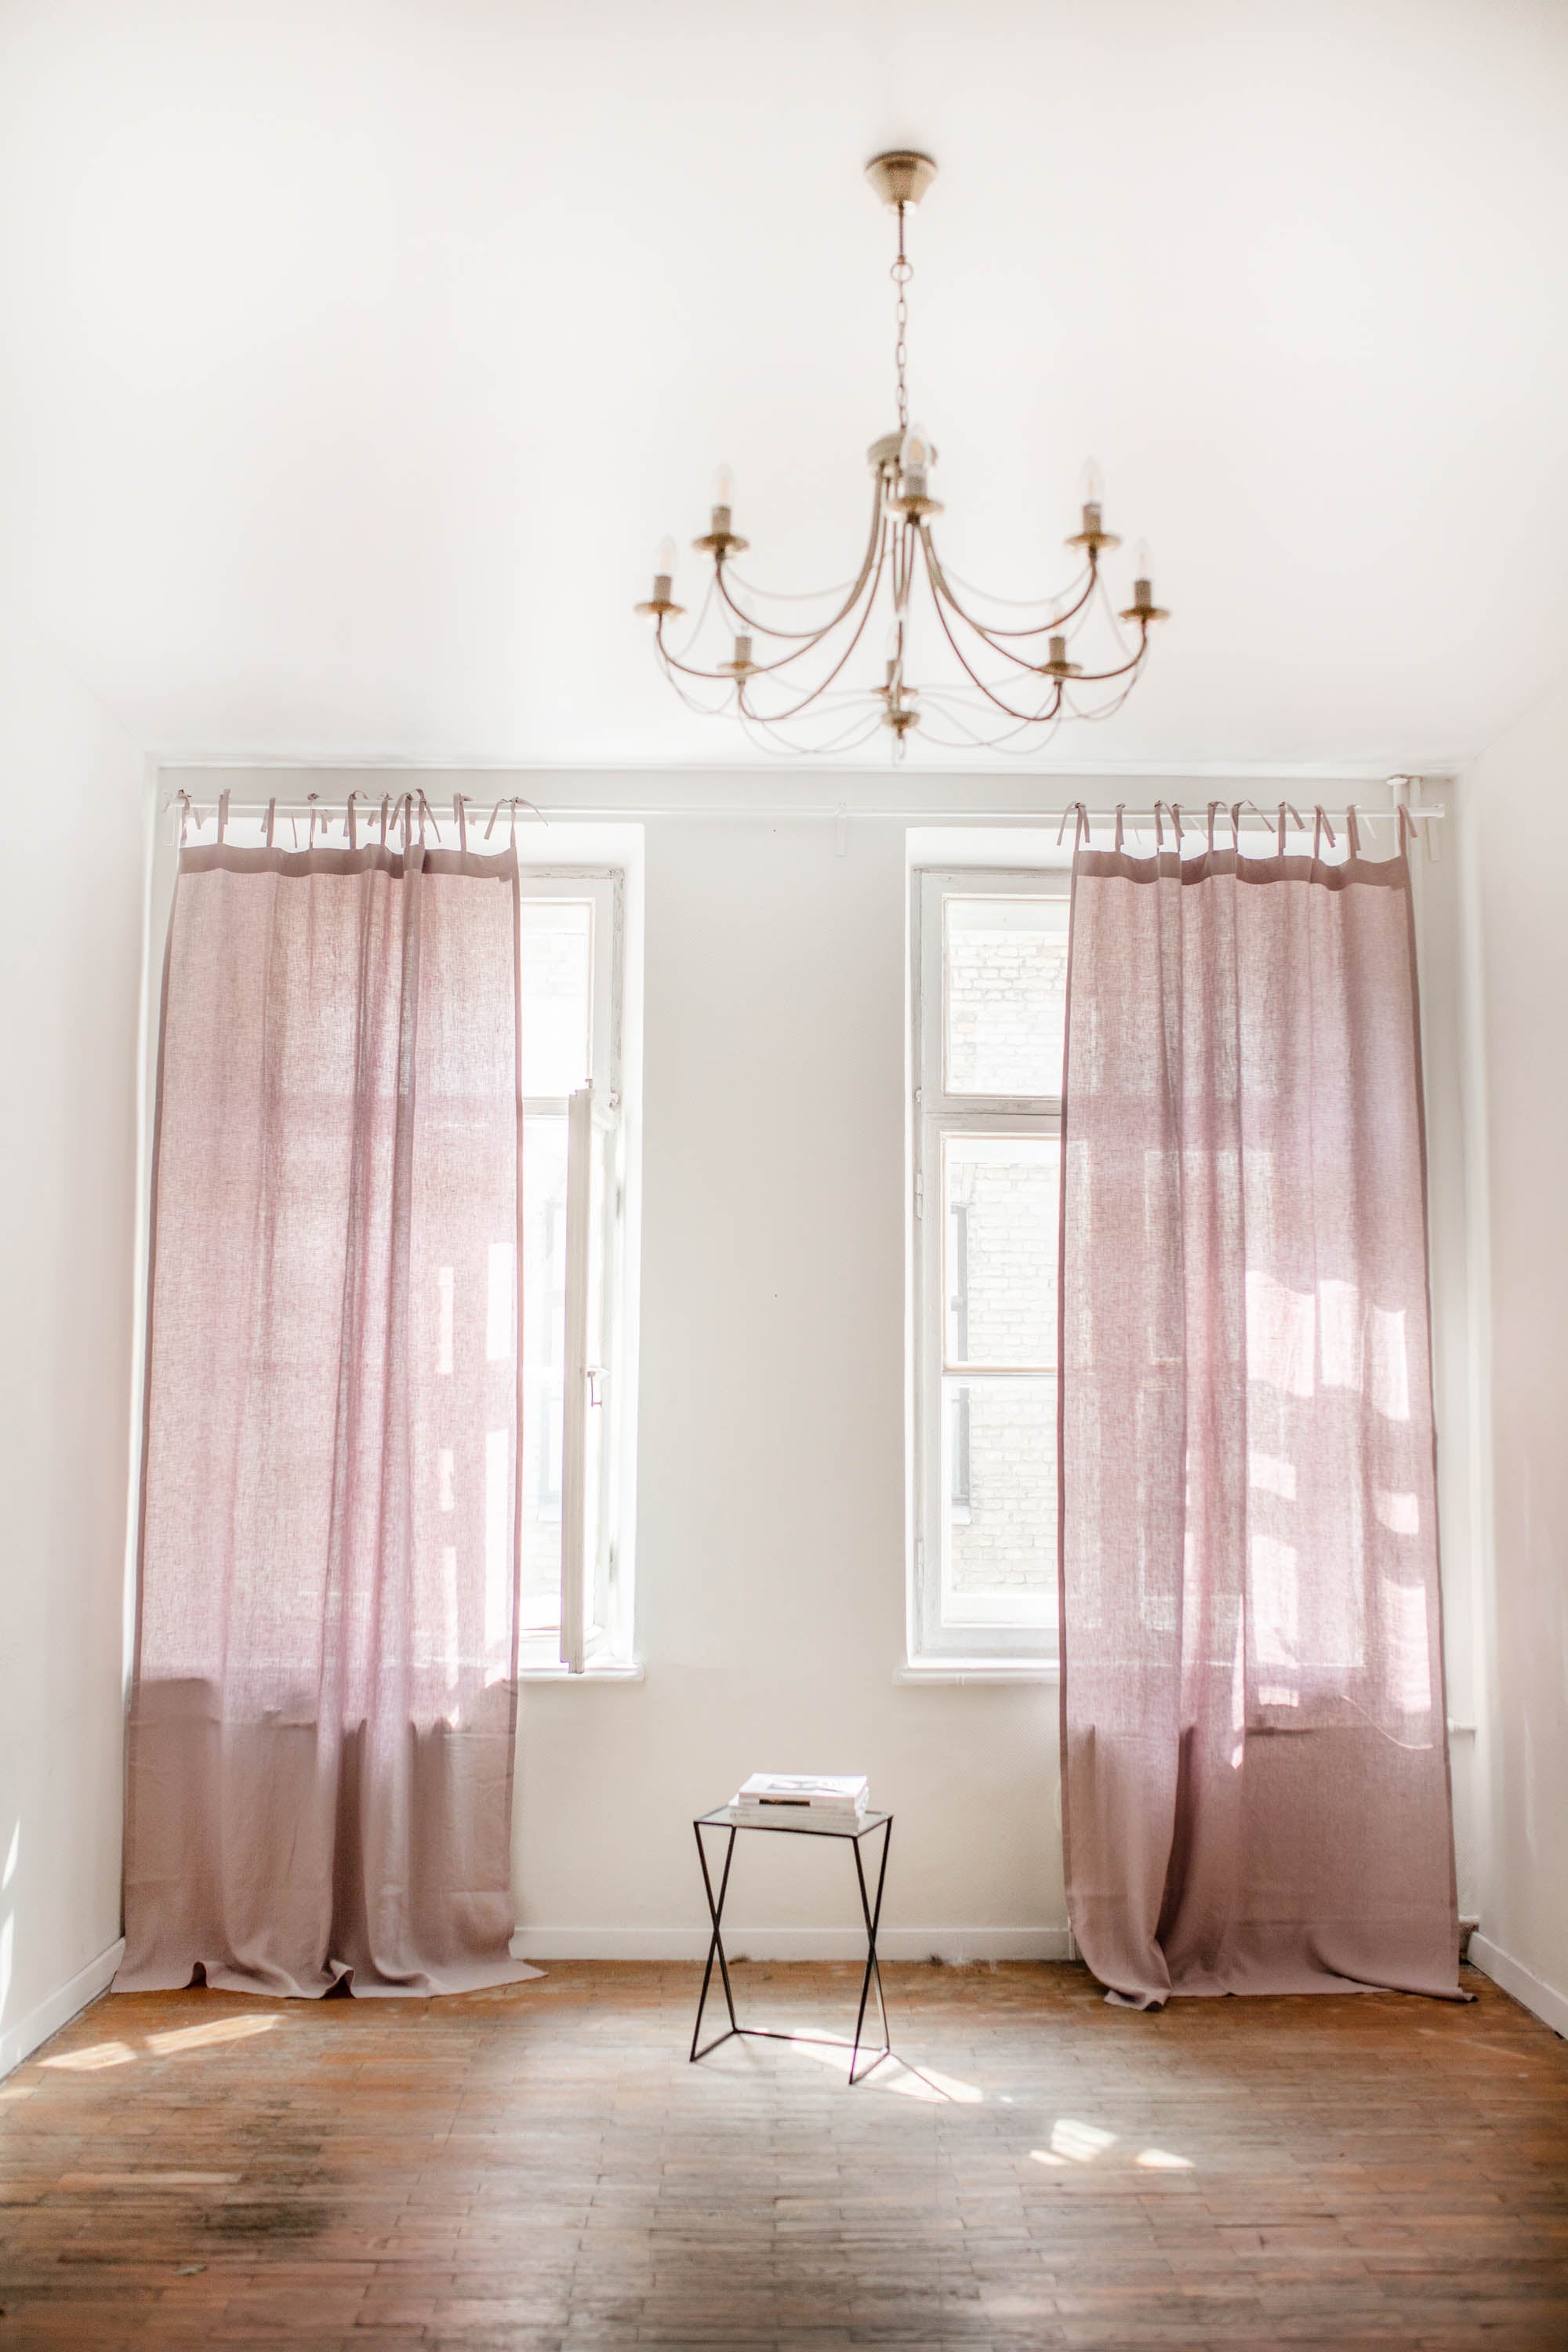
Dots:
{"x": 1001, "y": 684}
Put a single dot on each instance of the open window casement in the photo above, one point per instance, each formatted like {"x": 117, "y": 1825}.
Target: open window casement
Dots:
{"x": 587, "y": 1450}
{"x": 575, "y": 1613}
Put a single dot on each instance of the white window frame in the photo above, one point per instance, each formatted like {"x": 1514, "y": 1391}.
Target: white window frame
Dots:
{"x": 597, "y": 1604}
{"x": 996, "y": 1649}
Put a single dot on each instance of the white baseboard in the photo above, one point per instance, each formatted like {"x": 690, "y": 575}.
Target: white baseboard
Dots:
{"x": 1550, "y": 2005}
{"x": 19, "y": 2041}
{"x": 951, "y": 1944}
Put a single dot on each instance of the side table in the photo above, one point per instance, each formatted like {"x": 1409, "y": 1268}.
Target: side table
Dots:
{"x": 721, "y": 1818}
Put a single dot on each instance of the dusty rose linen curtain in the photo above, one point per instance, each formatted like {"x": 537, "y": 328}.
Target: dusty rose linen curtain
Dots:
{"x": 1255, "y": 1761}
{"x": 323, "y": 1718}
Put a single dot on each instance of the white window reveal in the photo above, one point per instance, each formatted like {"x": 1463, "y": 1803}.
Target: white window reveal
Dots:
{"x": 576, "y": 1609}
{"x": 989, "y": 991}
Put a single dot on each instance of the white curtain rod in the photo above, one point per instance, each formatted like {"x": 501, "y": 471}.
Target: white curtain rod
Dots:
{"x": 1264, "y": 815}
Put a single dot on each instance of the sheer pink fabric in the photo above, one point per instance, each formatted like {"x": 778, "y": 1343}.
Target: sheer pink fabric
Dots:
{"x": 1254, "y": 1760}
{"x": 322, "y": 1721}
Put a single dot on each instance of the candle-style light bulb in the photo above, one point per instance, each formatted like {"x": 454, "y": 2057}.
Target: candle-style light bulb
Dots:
{"x": 1144, "y": 578}
{"x": 723, "y": 496}
{"x": 1143, "y": 609}
{"x": 914, "y": 461}
{"x": 1093, "y": 494}
{"x": 661, "y": 606}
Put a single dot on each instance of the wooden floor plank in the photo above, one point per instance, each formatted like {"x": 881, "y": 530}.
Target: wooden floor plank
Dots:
{"x": 539, "y": 2168}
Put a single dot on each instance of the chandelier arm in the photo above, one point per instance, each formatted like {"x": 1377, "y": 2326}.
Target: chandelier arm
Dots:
{"x": 759, "y": 669}
{"x": 1003, "y": 652}
{"x": 1036, "y": 738}
{"x": 1099, "y": 677}
{"x": 943, "y": 597}
{"x": 961, "y": 703}
{"x": 1113, "y": 619}
{"x": 759, "y": 731}
{"x": 771, "y": 670}
{"x": 1001, "y": 743}
{"x": 1092, "y": 718}
{"x": 1090, "y": 678}
{"x": 671, "y": 662}
{"x": 790, "y": 595}
{"x": 1036, "y": 732}
{"x": 707, "y": 709}
{"x": 1108, "y": 708}
{"x": 1028, "y": 717}
{"x": 961, "y": 708}
{"x": 803, "y": 640}
{"x": 811, "y": 636}
{"x": 968, "y": 734}
{"x": 778, "y": 716}
{"x": 990, "y": 637}
{"x": 1014, "y": 604}
{"x": 909, "y": 542}
{"x": 709, "y": 676}
{"x": 982, "y": 628}
{"x": 696, "y": 629}
{"x": 860, "y": 726}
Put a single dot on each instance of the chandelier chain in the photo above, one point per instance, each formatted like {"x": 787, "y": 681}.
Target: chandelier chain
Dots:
{"x": 902, "y": 270}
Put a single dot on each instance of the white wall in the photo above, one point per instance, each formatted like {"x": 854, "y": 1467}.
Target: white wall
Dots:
{"x": 70, "y": 971}
{"x": 1516, "y": 960}
{"x": 771, "y": 1541}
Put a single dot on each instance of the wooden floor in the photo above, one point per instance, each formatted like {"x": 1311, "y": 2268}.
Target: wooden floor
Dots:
{"x": 541, "y": 2167}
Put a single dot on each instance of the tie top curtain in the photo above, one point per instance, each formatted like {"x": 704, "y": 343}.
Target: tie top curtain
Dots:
{"x": 323, "y": 1709}
{"x": 1254, "y": 1766}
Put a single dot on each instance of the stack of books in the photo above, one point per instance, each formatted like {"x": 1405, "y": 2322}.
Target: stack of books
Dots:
{"x": 802, "y": 1801}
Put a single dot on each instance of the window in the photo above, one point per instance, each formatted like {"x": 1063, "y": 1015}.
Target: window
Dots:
{"x": 989, "y": 967}
{"x": 575, "y": 1607}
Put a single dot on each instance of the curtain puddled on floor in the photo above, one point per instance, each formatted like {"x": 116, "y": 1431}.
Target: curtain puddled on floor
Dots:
{"x": 1254, "y": 1760}
{"x": 322, "y": 1721}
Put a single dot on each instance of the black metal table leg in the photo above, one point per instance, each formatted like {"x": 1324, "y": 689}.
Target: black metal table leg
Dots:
{"x": 716, "y": 1947}
{"x": 872, "y": 1916}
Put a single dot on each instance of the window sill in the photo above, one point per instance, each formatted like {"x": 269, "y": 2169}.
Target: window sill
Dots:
{"x": 978, "y": 1670}
{"x": 605, "y": 1673}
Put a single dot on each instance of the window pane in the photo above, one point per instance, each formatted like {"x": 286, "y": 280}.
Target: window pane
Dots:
{"x": 1003, "y": 994}
{"x": 1000, "y": 1246}
{"x": 999, "y": 1502}
{"x": 557, "y": 989}
{"x": 544, "y": 1353}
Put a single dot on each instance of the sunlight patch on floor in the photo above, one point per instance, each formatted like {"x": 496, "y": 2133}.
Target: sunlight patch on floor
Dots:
{"x": 1075, "y": 2142}
{"x": 93, "y": 2059}
{"x": 205, "y": 2037}
{"x": 894, "y": 2075}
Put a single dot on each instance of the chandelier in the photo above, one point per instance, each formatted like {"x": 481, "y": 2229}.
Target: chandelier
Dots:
{"x": 1001, "y": 685}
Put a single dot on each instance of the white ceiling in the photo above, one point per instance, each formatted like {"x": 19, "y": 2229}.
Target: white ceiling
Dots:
{"x": 354, "y": 357}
